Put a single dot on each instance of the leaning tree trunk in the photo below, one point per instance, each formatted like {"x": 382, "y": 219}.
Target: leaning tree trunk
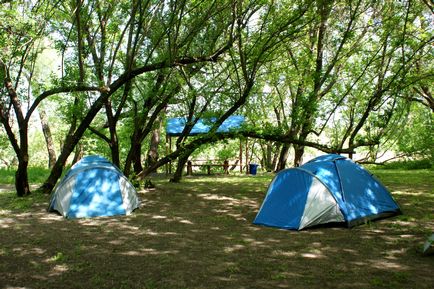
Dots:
{"x": 182, "y": 160}
{"x": 78, "y": 153}
{"x": 48, "y": 138}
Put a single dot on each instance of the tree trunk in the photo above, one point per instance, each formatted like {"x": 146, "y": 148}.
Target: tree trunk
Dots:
{"x": 114, "y": 147}
{"x": 129, "y": 159}
{"x": 114, "y": 142}
{"x": 283, "y": 157}
{"x": 79, "y": 153}
{"x": 182, "y": 160}
{"x": 275, "y": 157}
{"x": 21, "y": 177}
{"x": 267, "y": 152}
{"x": 21, "y": 149}
{"x": 135, "y": 139}
{"x": 298, "y": 155}
{"x": 48, "y": 138}
{"x": 152, "y": 156}
{"x": 134, "y": 156}
{"x": 137, "y": 162}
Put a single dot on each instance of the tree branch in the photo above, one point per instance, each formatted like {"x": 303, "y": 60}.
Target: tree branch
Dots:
{"x": 64, "y": 89}
{"x": 213, "y": 137}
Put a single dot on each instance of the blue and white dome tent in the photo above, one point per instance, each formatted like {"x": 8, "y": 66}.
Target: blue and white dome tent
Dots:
{"x": 329, "y": 188}
{"x": 94, "y": 187}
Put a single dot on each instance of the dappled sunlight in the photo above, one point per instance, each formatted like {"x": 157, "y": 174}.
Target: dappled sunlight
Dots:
{"x": 183, "y": 221}
{"x": 5, "y": 212}
{"x": 315, "y": 255}
{"x": 350, "y": 251}
{"x": 117, "y": 242}
{"x": 159, "y": 217}
{"x": 6, "y": 188}
{"x": 233, "y": 248}
{"x": 148, "y": 251}
{"x": 230, "y": 201}
{"x": 36, "y": 251}
{"x": 188, "y": 230}
{"x": 384, "y": 265}
{"x": 154, "y": 233}
{"x": 213, "y": 197}
{"x": 58, "y": 270}
{"x": 6, "y": 222}
{"x": 395, "y": 254}
{"x": 51, "y": 217}
{"x": 404, "y": 236}
{"x": 411, "y": 192}
{"x": 280, "y": 253}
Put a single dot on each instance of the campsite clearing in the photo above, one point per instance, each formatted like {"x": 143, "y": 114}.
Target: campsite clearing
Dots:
{"x": 199, "y": 234}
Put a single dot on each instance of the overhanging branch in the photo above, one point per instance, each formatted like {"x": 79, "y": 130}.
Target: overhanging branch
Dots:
{"x": 64, "y": 89}
{"x": 270, "y": 136}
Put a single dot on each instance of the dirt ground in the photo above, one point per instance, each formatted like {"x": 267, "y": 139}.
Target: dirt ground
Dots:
{"x": 199, "y": 234}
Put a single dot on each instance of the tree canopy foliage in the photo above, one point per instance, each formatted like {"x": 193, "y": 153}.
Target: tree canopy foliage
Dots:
{"x": 104, "y": 75}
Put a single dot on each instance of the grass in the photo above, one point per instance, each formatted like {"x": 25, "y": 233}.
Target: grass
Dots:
{"x": 37, "y": 175}
{"x": 11, "y": 203}
{"x": 410, "y": 164}
{"x": 198, "y": 234}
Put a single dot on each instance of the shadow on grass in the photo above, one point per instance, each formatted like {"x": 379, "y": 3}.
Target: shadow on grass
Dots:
{"x": 198, "y": 234}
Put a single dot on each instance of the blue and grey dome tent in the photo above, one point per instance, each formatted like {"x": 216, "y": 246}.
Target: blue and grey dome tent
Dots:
{"x": 94, "y": 187}
{"x": 330, "y": 188}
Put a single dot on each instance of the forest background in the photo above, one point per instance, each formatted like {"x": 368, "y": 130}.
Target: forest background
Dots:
{"x": 102, "y": 77}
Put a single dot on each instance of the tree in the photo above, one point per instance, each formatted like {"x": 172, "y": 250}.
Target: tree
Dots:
{"x": 48, "y": 137}
{"x": 347, "y": 72}
{"x": 255, "y": 44}
{"x": 156, "y": 50}
{"x": 379, "y": 103}
{"x": 416, "y": 139}
{"x": 21, "y": 44}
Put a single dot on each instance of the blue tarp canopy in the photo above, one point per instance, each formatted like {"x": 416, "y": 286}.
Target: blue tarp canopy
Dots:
{"x": 176, "y": 125}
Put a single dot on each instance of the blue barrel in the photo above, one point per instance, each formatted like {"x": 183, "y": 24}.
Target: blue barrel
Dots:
{"x": 253, "y": 168}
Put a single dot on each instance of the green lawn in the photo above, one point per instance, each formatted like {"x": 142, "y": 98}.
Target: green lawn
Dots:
{"x": 36, "y": 175}
{"x": 198, "y": 234}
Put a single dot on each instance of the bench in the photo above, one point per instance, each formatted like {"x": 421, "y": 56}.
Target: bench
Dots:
{"x": 208, "y": 167}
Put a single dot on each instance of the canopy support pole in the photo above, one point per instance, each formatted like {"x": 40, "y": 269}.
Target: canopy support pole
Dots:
{"x": 247, "y": 156}
{"x": 168, "y": 151}
{"x": 241, "y": 155}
